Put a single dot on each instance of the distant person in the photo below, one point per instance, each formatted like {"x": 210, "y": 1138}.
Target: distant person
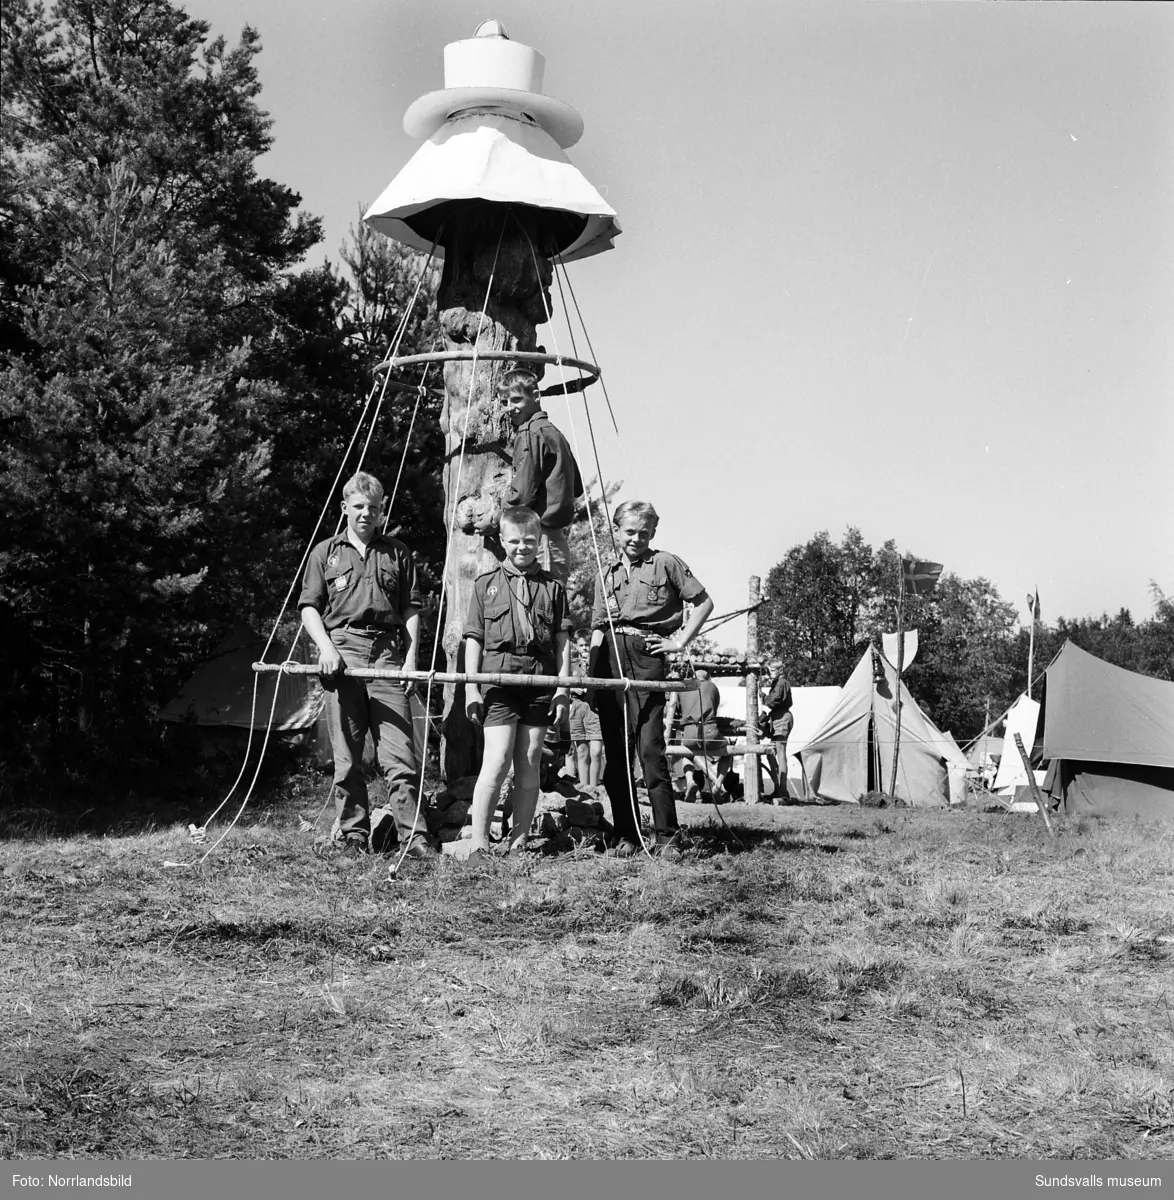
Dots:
{"x": 778, "y": 722}
{"x": 586, "y": 736}
{"x": 546, "y": 477}
{"x": 699, "y": 735}
{"x": 637, "y": 619}
{"x": 360, "y": 602}
{"x": 514, "y": 626}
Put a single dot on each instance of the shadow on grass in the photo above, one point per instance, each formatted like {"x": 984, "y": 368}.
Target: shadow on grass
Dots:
{"x": 710, "y": 840}
{"x": 146, "y": 796}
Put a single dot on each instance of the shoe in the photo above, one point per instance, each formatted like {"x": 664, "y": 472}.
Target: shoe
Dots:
{"x": 625, "y": 849}
{"x": 668, "y": 848}
{"x": 354, "y": 848}
{"x": 420, "y": 849}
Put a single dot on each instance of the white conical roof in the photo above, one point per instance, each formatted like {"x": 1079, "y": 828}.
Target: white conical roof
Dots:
{"x": 494, "y": 156}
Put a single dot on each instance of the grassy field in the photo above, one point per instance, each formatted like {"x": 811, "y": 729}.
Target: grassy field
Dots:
{"x": 821, "y": 983}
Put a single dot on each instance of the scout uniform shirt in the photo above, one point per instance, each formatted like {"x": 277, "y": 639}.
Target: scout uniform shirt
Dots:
{"x": 546, "y": 477}
{"x": 515, "y": 615}
{"x": 650, "y": 594}
{"x": 366, "y": 593}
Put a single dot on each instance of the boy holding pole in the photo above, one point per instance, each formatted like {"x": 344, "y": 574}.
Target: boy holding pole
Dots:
{"x": 360, "y": 603}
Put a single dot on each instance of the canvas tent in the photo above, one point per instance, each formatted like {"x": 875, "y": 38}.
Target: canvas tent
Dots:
{"x": 218, "y": 698}
{"x": 851, "y": 754}
{"x": 1108, "y": 737}
{"x": 809, "y": 706}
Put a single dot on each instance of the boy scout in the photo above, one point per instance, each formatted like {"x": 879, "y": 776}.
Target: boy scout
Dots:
{"x": 515, "y": 625}
{"x": 360, "y": 603}
{"x": 546, "y": 477}
{"x": 641, "y": 600}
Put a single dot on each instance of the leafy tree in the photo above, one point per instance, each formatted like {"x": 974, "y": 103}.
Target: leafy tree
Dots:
{"x": 823, "y": 600}
{"x": 826, "y": 601}
{"x": 1146, "y": 646}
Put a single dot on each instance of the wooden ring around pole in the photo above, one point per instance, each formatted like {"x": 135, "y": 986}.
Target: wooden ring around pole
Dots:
{"x": 590, "y": 371}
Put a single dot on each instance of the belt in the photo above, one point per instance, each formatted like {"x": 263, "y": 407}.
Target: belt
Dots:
{"x": 635, "y": 631}
{"x": 370, "y": 630}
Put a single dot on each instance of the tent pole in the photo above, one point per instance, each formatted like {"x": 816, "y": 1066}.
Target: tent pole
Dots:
{"x": 751, "y": 791}
{"x": 1031, "y": 651}
{"x": 900, "y": 667}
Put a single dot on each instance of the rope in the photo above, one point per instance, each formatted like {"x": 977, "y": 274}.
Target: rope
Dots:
{"x": 628, "y": 471}
{"x": 400, "y": 331}
{"x": 595, "y": 546}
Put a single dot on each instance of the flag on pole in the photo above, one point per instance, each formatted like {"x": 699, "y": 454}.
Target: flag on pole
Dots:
{"x": 920, "y": 577}
{"x": 1033, "y": 604}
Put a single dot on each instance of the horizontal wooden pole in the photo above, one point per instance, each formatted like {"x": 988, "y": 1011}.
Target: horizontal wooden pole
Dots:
{"x": 718, "y": 750}
{"x": 498, "y": 679}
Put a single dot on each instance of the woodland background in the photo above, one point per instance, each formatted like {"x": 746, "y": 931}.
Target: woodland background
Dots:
{"x": 179, "y": 383}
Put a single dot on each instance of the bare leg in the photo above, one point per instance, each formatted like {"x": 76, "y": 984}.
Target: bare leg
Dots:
{"x": 527, "y": 763}
{"x": 596, "y": 768}
{"x": 583, "y": 763}
{"x": 495, "y": 765}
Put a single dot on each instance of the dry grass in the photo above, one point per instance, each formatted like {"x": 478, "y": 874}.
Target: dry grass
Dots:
{"x": 822, "y": 983}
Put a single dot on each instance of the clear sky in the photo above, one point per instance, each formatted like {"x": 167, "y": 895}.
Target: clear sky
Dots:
{"x": 901, "y": 266}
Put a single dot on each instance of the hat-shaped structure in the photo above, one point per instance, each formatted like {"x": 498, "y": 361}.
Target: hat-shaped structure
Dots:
{"x": 493, "y": 136}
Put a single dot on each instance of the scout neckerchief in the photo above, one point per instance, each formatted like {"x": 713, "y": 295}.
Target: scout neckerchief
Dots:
{"x": 522, "y": 594}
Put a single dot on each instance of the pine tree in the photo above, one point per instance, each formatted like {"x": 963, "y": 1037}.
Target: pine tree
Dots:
{"x": 144, "y": 314}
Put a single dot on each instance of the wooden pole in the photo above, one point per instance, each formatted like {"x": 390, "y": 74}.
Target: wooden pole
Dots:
{"x": 750, "y": 776}
{"x": 1031, "y": 649}
{"x": 494, "y": 678}
{"x": 1031, "y": 783}
{"x": 900, "y": 667}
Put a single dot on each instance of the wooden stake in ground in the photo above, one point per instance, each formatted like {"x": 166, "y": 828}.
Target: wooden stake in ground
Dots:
{"x": 900, "y": 668}
{"x": 750, "y": 773}
{"x": 1031, "y": 783}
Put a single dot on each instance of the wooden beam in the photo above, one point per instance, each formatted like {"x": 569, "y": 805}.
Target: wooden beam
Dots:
{"x": 500, "y": 679}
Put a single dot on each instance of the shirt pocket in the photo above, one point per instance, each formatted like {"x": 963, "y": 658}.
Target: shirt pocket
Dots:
{"x": 499, "y": 627}
{"x": 388, "y": 577}
{"x": 656, "y": 594}
{"x": 542, "y": 618}
{"x": 339, "y": 580}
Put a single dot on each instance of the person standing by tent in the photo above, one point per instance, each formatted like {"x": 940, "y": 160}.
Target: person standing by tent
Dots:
{"x": 779, "y": 720}
{"x": 586, "y": 736}
{"x": 546, "y": 476}
{"x": 700, "y": 736}
{"x": 360, "y": 602}
{"x": 637, "y": 618}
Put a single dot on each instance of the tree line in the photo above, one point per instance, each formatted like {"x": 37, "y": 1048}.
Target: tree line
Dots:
{"x": 178, "y": 388}
{"x": 177, "y": 385}
{"x": 826, "y": 601}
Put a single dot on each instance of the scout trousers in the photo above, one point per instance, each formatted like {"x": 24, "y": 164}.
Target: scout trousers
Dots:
{"x": 554, "y": 554}
{"x": 356, "y": 707}
{"x": 643, "y": 712}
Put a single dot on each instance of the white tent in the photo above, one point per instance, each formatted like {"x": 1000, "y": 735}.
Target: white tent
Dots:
{"x": 809, "y": 706}
{"x": 851, "y": 754}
